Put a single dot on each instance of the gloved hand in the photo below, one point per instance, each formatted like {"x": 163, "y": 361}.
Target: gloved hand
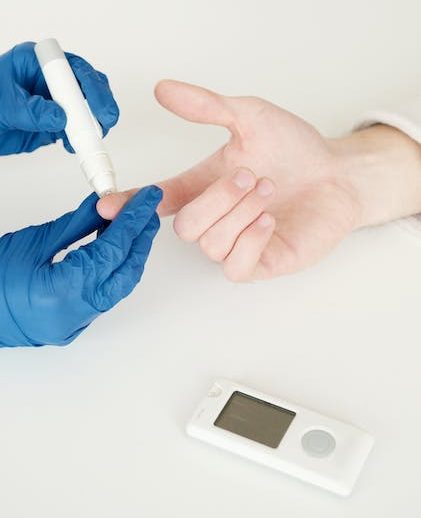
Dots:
{"x": 28, "y": 117}
{"x": 42, "y": 302}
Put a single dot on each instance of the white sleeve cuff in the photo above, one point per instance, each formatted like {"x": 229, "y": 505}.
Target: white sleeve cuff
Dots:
{"x": 406, "y": 118}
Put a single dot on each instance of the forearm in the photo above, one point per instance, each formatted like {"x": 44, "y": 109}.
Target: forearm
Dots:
{"x": 383, "y": 165}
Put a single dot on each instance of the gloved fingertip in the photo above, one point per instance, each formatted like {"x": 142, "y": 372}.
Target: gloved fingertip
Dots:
{"x": 149, "y": 196}
{"x": 77, "y": 63}
{"x": 153, "y": 193}
{"x": 46, "y": 115}
{"x": 92, "y": 199}
{"x": 58, "y": 118}
{"x": 66, "y": 143}
{"x": 113, "y": 113}
{"x": 26, "y": 45}
{"x": 108, "y": 116}
{"x": 89, "y": 211}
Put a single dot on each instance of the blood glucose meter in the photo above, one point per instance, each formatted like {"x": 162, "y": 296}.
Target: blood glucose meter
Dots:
{"x": 281, "y": 435}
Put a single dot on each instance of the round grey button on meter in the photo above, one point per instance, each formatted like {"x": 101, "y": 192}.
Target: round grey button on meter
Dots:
{"x": 318, "y": 443}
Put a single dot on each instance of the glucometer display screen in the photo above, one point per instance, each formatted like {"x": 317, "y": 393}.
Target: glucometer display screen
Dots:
{"x": 255, "y": 419}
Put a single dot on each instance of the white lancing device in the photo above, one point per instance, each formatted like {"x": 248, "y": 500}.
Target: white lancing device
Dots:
{"x": 82, "y": 129}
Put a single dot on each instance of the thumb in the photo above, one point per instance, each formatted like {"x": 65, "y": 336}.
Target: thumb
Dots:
{"x": 36, "y": 114}
{"x": 71, "y": 227}
{"x": 195, "y": 103}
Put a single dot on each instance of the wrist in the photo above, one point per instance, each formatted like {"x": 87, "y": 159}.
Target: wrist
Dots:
{"x": 383, "y": 167}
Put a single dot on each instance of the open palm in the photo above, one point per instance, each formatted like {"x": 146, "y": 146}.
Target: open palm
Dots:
{"x": 271, "y": 201}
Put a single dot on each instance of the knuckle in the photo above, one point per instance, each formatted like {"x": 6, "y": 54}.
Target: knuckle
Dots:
{"x": 227, "y": 191}
{"x": 226, "y": 194}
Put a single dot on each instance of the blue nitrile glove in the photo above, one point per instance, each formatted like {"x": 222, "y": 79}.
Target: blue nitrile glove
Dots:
{"x": 28, "y": 117}
{"x": 42, "y": 302}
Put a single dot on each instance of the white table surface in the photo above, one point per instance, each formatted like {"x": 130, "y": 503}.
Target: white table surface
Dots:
{"x": 96, "y": 429}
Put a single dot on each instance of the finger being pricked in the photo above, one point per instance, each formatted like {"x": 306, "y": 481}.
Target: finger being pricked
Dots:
{"x": 195, "y": 218}
{"x": 243, "y": 260}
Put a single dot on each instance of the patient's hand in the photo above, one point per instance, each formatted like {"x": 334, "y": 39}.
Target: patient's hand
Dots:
{"x": 278, "y": 196}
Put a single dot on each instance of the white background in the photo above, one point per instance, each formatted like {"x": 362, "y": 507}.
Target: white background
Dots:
{"x": 97, "y": 429}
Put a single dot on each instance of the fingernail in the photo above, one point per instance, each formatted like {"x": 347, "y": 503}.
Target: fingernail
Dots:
{"x": 265, "y": 187}
{"x": 265, "y": 220}
{"x": 244, "y": 178}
